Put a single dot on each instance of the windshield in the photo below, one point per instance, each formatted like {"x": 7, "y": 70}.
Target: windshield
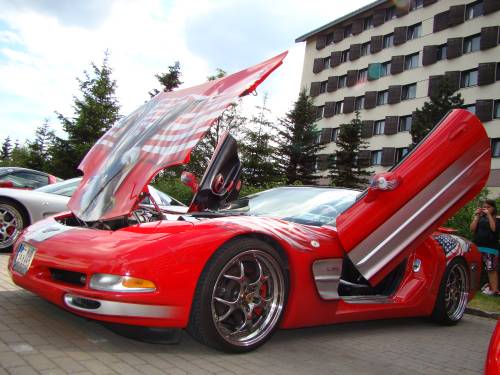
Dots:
{"x": 305, "y": 205}
{"x": 66, "y": 188}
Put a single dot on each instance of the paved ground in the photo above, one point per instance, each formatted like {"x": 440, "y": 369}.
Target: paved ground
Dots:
{"x": 36, "y": 337}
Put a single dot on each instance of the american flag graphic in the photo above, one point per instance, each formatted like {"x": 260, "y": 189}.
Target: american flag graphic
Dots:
{"x": 159, "y": 134}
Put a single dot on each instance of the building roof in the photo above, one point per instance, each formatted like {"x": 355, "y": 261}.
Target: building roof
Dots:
{"x": 339, "y": 20}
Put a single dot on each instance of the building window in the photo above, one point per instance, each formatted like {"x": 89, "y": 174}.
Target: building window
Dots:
{"x": 390, "y": 13}
{"x": 368, "y": 23}
{"x": 322, "y": 87}
{"x": 496, "y": 112}
{"x": 498, "y": 72}
{"x": 365, "y": 49}
{"x": 339, "y": 106}
{"x": 342, "y": 81}
{"x": 441, "y": 52}
{"x": 319, "y": 112}
{"x": 382, "y": 97}
{"x": 401, "y": 153}
{"x": 378, "y": 127}
{"x": 409, "y": 91}
{"x": 347, "y": 31}
{"x": 415, "y": 4}
{"x": 471, "y": 43}
{"x": 404, "y": 123}
{"x": 411, "y": 61}
{"x": 359, "y": 103}
{"x": 362, "y": 75}
{"x": 414, "y": 31}
{"x": 329, "y": 38}
{"x": 495, "y": 147}
{"x": 344, "y": 56}
{"x": 468, "y": 78}
{"x": 385, "y": 69}
{"x": 376, "y": 157}
{"x": 326, "y": 61}
{"x": 388, "y": 40}
{"x": 474, "y": 10}
{"x": 470, "y": 107}
{"x": 335, "y": 135}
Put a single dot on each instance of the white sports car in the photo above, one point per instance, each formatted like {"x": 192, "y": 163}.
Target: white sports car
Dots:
{"x": 21, "y": 208}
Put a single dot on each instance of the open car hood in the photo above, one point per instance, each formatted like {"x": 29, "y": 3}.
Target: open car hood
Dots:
{"x": 159, "y": 134}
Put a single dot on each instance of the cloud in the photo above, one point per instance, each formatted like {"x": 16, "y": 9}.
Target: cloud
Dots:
{"x": 45, "y": 45}
{"x": 82, "y": 13}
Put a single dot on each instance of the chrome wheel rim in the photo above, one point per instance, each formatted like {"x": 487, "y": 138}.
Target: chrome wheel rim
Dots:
{"x": 456, "y": 292}
{"x": 11, "y": 225}
{"x": 248, "y": 298}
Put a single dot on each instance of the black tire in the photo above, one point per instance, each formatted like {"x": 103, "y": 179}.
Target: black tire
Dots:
{"x": 453, "y": 294}
{"x": 232, "y": 309}
{"x": 12, "y": 215}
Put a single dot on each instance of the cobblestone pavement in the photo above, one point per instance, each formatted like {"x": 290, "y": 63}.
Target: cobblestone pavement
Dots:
{"x": 39, "y": 338}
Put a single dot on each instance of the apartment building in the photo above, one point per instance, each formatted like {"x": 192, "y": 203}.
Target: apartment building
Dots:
{"x": 385, "y": 61}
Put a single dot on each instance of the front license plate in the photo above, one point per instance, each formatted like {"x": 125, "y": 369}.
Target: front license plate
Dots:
{"x": 23, "y": 259}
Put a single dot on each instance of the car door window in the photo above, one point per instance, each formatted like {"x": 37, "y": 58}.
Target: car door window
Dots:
{"x": 26, "y": 180}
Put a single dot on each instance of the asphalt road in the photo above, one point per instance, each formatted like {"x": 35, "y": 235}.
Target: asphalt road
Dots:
{"x": 37, "y": 337}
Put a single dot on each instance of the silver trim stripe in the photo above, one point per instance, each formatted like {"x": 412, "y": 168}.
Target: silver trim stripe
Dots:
{"x": 416, "y": 216}
{"x": 121, "y": 308}
{"x": 327, "y": 277}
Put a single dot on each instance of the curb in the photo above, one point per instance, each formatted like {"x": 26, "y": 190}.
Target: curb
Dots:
{"x": 484, "y": 314}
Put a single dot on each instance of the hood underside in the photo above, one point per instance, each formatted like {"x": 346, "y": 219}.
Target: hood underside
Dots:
{"x": 159, "y": 134}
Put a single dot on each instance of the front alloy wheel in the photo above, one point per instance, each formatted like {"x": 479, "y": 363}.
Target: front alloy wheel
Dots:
{"x": 240, "y": 297}
{"x": 12, "y": 223}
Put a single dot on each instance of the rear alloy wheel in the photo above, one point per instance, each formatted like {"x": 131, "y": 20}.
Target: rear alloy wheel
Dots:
{"x": 240, "y": 297}
{"x": 12, "y": 221}
{"x": 453, "y": 294}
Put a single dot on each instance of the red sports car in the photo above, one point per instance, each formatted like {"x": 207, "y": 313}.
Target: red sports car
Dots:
{"x": 231, "y": 271}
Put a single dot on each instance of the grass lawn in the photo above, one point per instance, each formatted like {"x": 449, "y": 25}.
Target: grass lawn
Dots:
{"x": 485, "y": 303}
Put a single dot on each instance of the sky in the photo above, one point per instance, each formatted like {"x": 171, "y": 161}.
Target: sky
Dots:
{"x": 45, "y": 45}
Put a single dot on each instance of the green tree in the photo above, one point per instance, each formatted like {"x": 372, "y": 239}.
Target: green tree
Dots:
{"x": 94, "y": 113}
{"x": 20, "y": 155}
{"x": 38, "y": 157}
{"x": 297, "y": 142}
{"x": 232, "y": 121}
{"x": 169, "y": 80}
{"x": 219, "y": 73}
{"x": 434, "y": 110}
{"x": 6, "y": 151}
{"x": 346, "y": 168}
{"x": 259, "y": 166}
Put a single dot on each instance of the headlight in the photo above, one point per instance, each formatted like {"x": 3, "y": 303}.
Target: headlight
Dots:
{"x": 116, "y": 283}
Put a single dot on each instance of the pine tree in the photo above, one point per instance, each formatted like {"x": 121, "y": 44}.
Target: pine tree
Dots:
{"x": 345, "y": 166}
{"x": 95, "y": 112}
{"x": 170, "y": 80}
{"x": 232, "y": 121}
{"x": 219, "y": 73}
{"x": 434, "y": 110}
{"x": 20, "y": 155}
{"x": 39, "y": 149}
{"x": 259, "y": 167}
{"x": 297, "y": 142}
{"x": 6, "y": 151}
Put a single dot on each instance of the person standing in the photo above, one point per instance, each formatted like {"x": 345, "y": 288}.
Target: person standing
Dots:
{"x": 485, "y": 228}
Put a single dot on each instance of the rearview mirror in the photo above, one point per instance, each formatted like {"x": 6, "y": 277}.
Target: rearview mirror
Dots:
{"x": 189, "y": 179}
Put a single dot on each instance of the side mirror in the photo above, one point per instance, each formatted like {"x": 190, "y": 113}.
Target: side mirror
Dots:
{"x": 382, "y": 182}
{"x": 189, "y": 179}
{"x": 6, "y": 184}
